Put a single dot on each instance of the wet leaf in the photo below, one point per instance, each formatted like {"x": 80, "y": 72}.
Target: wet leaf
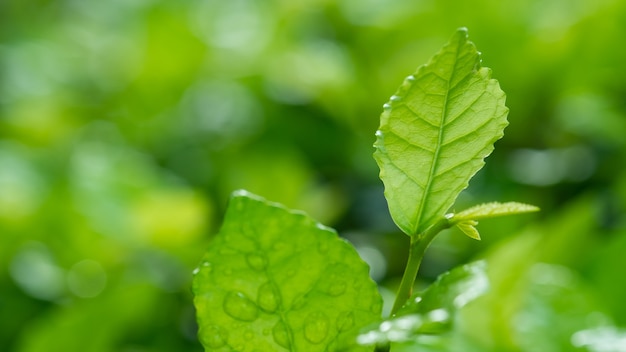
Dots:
{"x": 276, "y": 280}
{"x": 432, "y": 310}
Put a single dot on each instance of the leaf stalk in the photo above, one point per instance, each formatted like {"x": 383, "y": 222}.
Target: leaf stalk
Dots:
{"x": 419, "y": 244}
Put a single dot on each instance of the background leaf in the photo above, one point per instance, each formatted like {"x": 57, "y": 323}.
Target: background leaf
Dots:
{"x": 435, "y": 132}
{"x": 431, "y": 311}
{"x": 276, "y": 280}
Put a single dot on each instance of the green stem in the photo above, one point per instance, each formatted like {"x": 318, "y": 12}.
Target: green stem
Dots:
{"x": 419, "y": 243}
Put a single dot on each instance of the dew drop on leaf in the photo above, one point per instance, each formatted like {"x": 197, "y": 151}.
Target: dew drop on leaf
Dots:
{"x": 316, "y": 327}
{"x": 256, "y": 262}
{"x": 337, "y": 288}
{"x": 376, "y": 307}
{"x": 280, "y": 334}
{"x": 239, "y": 307}
{"x": 248, "y": 335}
{"x": 345, "y": 321}
{"x": 227, "y": 251}
{"x": 213, "y": 336}
{"x": 268, "y": 297}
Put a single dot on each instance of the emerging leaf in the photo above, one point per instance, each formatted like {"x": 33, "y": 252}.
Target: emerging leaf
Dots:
{"x": 431, "y": 311}
{"x": 275, "y": 280}
{"x": 492, "y": 210}
{"x": 468, "y": 228}
{"x": 435, "y": 132}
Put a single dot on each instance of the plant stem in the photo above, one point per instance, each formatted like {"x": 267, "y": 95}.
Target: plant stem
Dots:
{"x": 419, "y": 243}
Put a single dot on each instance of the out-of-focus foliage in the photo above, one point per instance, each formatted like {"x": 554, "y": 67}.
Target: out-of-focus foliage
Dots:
{"x": 124, "y": 126}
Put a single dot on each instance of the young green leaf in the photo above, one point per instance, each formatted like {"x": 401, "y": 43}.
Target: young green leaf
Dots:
{"x": 435, "y": 132}
{"x": 492, "y": 210}
{"x": 469, "y": 228}
{"x": 466, "y": 220}
{"x": 276, "y": 280}
{"x": 432, "y": 310}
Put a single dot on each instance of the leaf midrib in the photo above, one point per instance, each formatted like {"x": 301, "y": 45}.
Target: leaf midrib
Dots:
{"x": 435, "y": 158}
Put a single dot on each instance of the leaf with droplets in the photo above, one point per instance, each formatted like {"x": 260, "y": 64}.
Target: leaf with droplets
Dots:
{"x": 431, "y": 311}
{"x": 276, "y": 280}
{"x": 435, "y": 133}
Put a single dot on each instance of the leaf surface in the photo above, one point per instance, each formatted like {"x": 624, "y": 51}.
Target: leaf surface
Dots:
{"x": 435, "y": 133}
{"x": 469, "y": 229}
{"x": 492, "y": 210}
{"x": 276, "y": 280}
{"x": 432, "y": 310}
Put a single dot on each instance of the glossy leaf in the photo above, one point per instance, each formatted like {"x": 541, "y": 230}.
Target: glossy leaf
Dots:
{"x": 431, "y": 311}
{"x": 435, "y": 132}
{"x": 276, "y": 280}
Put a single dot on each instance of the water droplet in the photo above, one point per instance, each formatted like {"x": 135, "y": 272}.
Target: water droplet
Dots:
{"x": 196, "y": 271}
{"x": 345, "y": 321}
{"x": 256, "y": 262}
{"x": 385, "y": 326}
{"x": 395, "y": 98}
{"x": 316, "y": 327}
{"x": 376, "y": 307}
{"x": 386, "y": 106}
{"x": 280, "y": 246}
{"x": 207, "y": 264}
{"x": 410, "y": 78}
{"x": 227, "y": 251}
{"x": 337, "y": 288}
{"x": 439, "y": 315}
{"x": 268, "y": 297}
{"x": 213, "y": 336}
{"x": 238, "y": 306}
{"x": 248, "y": 335}
{"x": 281, "y": 335}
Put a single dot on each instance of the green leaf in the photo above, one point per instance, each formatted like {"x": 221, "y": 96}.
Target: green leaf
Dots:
{"x": 431, "y": 311}
{"x": 492, "y": 210}
{"x": 276, "y": 280}
{"x": 435, "y": 133}
{"x": 468, "y": 228}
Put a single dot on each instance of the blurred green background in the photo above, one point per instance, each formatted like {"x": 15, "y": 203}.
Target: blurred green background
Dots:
{"x": 126, "y": 124}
